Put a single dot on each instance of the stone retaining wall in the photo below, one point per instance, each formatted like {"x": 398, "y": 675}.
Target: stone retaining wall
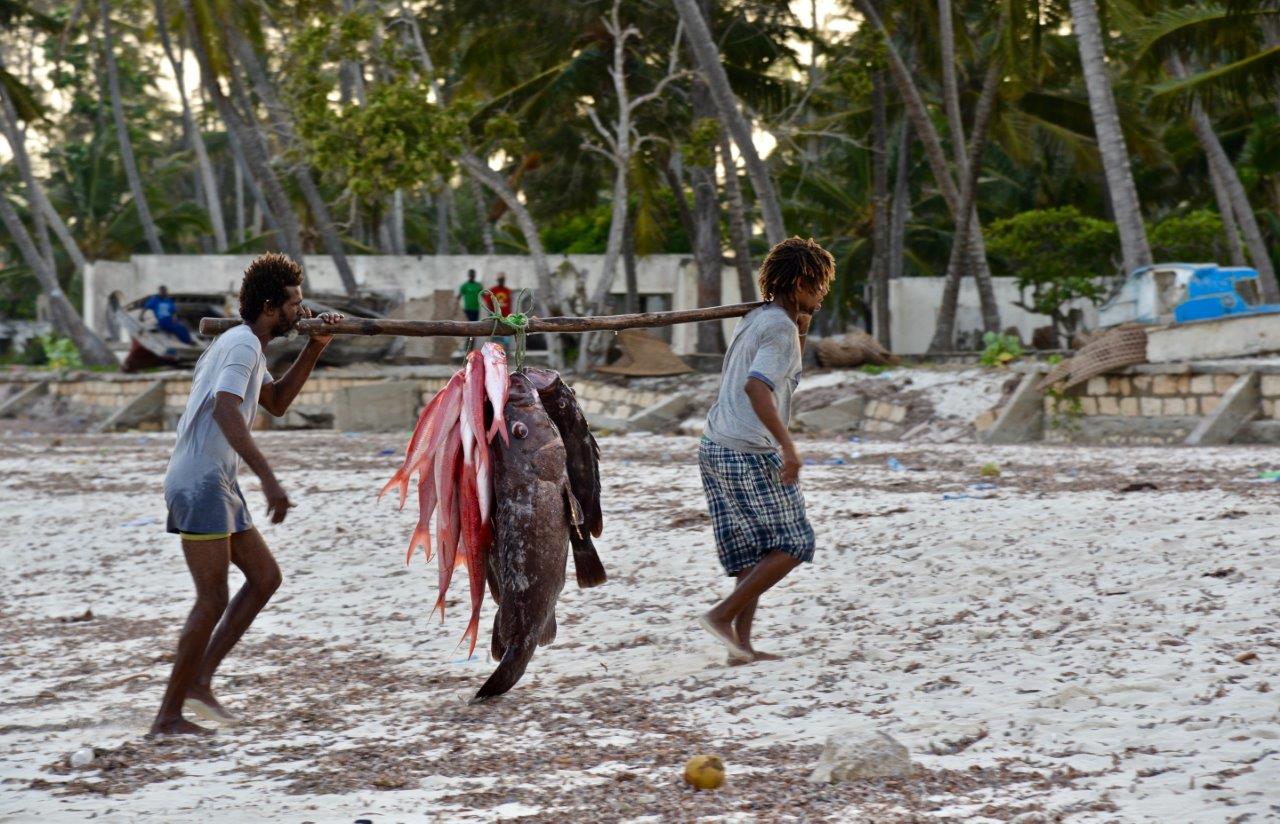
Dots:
{"x": 103, "y": 394}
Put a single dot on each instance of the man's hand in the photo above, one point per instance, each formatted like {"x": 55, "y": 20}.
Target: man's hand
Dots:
{"x": 790, "y": 465}
{"x": 277, "y": 502}
{"x": 326, "y": 317}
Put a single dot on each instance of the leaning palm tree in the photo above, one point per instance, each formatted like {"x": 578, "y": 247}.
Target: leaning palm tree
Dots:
{"x": 698, "y": 35}
{"x": 65, "y": 318}
{"x": 1134, "y": 249}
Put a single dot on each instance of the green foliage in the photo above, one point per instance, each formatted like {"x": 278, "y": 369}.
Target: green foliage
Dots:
{"x": 704, "y": 138}
{"x": 872, "y": 369}
{"x": 401, "y": 137}
{"x": 1001, "y": 350}
{"x": 1057, "y": 256}
{"x": 1196, "y": 237}
{"x": 60, "y": 353}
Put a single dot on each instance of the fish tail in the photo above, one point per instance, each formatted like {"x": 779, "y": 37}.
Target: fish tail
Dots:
{"x": 421, "y": 538}
{"x": 515, "y": 660}
{"x": 401, "y": 478}
{"x": 499, "y": 427}
{"x": 473, "y": 632}
{"x": 587, "y": 564}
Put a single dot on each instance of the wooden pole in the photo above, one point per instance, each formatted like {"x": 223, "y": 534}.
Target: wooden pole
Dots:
{"x": 484, "y": 328}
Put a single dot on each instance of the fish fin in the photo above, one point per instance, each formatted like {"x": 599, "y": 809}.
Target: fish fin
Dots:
{"x": 574, "y": 508}
{"x": 439, "y": 606}
{"x": 515, "y": 660}
{"x": 586, "y": 564}
{"x": 499, "y": 427}
{"x": 472, "y": 632}
{"x": 548, "y": 631}
{"x": 401, "y": 478}
{"x": 496, "y": 647}
{"x": 421, "y": 538}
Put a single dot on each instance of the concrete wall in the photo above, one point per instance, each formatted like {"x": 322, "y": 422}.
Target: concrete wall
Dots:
{"x": 409, "y": 276}
{"x": 913, "y": 304}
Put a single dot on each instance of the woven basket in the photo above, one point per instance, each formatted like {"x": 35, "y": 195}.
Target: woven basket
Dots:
{"x": 852, "y": 349}
{"x": 1111, "y": 350}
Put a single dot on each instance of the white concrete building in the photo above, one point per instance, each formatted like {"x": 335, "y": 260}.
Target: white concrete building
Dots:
{"x": 665, "y": 281}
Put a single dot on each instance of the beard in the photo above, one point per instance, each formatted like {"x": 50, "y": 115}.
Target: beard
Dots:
{"x": 284, "y": 328}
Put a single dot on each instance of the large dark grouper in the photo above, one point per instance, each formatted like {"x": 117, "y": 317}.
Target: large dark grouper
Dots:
{"x": 535, "y": 513}
{"x": 583, "y": 459}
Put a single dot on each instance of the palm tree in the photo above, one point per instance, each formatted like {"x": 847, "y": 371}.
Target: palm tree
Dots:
{"x": 65, "y": 318}
{"x": 122, "y": 135}
{"x": 1134, "y": 249}
{"x": 712, "y": 70}
{"x": 208, "y": 182}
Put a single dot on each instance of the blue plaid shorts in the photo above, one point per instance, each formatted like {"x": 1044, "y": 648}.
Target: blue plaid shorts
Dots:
{"x": 752, "y": 512}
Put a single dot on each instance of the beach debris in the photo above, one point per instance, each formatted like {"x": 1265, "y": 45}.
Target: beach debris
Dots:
{"x": 1247, "y": 657}
{"x": 704, "y": 772}
{"x": 857, "y": 754}
{"x": 894, "y": 465}
{"x": 989, "y": 470}
{"x": 81, "y": 758}
{"x": 1139, "y": 486}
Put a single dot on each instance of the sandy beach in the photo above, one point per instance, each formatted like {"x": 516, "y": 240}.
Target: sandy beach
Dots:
{"x": 1049, "y": 646}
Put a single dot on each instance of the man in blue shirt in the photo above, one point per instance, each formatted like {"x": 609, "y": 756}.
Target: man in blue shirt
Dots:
{"x": 165, "y": 310}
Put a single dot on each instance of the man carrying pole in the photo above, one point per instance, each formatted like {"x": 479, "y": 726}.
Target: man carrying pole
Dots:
{"x": 206, "y": 507}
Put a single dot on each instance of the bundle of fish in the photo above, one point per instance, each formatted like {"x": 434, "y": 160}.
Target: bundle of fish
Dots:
{"x": 507, "y": 508}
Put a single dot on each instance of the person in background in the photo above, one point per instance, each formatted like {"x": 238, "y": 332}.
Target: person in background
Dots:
{"x": 166, "y": 311}
{"x": 469, "y": 292}
{"x": 499, "y": 297}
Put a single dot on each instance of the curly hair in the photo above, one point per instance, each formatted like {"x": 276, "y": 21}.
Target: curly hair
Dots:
{"x": 793, "y": 263}
{"x": 265, "y": 281}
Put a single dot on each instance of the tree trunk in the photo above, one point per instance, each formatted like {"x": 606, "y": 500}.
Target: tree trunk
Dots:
{"x": 548, "y": 299}
{"x": 1221, "y": 164}
{"x": 65, "y": 319}
{"x": 237, "y": 169}
{"x": 442, "y": 221}
{"x": 739, "y": 234}
{"x": 260, "y": 205}
{"x": 879, "y": 275}
{"x": 1230, "y": 229}
{"x": 901, "y": 205}
{"x": 252, "y": 146}
{"x": 950, "y": 88}
{"x": 36, "y": 196}
{"x": 122, "y": 136}
{"x": 482, "y": 215}
{"x": 944, "y": 330}
{"x": 397, "y": 221}
{"x": 279, "y": 117}
{"x": 1134, "y": 248}
{"x": 629, "y": 265}
{"x": 920, "y": 119}
{"x": 213, "y": 204}
{"x": 672, "y": 172}
{"x": 698, "y": 36}
{"x": 707, "y": 255}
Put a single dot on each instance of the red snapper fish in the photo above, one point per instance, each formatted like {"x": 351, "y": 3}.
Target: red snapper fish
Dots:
{"x": 434, "y": 422}
{"x": 497, "y": 385}
{"x": 447, "y": 463}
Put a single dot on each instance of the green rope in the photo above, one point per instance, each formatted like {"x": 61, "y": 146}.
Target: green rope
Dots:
{"x": 518, "y": 321}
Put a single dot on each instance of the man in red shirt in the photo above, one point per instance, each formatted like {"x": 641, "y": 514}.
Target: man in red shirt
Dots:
{"x": 501, "y": 296}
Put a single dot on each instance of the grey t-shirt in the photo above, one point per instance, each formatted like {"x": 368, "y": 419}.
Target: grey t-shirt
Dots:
{"x": 200, "y": 484}
{"x": 765, "y": 345}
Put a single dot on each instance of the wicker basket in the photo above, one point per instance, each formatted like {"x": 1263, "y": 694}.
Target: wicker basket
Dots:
{"x": 1111, "y": 350}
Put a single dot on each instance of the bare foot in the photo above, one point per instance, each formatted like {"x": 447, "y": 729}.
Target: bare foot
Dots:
{"x": 200, "y": 700}
{"x": 734, "y": 661}
{"x": 723, "y": 632}
{"x": 757, "y": 655}
{"x": 180, "y": 726}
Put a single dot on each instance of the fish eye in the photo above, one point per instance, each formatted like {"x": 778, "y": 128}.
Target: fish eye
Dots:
{"x": 519, "y": 430}
{"x": 561, "y": 403}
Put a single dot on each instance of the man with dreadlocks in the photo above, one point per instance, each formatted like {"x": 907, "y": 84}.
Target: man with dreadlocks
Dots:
{"x": 206, "y": 507}
{"x": 750, "y": 469}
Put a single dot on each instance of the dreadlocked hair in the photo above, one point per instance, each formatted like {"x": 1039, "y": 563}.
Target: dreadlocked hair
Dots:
{"x": 265, "y": 281}
{"x": 795, "y": 263}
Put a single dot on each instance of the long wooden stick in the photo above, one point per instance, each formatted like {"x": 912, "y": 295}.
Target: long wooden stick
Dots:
{"x": 483, "y": 328}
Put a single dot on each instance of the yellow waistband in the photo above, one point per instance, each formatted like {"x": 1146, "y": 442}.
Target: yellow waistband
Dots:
{"x": 203, "y": 536}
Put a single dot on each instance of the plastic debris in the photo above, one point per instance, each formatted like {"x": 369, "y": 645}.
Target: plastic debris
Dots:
{"x": 955, "y": 496}
{"x": 834, "y": 462}
{"x": 82, "y": 757}
{"x": 983, "y": 485}
{"x": 386, "y": 450}
{"x": 894, "y": 465}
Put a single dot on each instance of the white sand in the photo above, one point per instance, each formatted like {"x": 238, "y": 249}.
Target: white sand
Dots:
{"x": 1075, "y": 625}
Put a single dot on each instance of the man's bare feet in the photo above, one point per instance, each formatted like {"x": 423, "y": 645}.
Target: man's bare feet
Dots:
{"x": 723, "y": 632}
{"x": 200, "y": 700}
{"x": 756, "y": 655}
{"x": 180, "y": 726}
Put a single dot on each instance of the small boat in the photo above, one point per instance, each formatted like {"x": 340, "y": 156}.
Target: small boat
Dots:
{"x": 151, "y": 347}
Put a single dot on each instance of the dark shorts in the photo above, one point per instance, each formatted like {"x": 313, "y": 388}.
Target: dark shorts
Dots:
{"x": 472, "y": 314}
{"x": 211, "y": 508}
{"x": 752, "y": 511}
